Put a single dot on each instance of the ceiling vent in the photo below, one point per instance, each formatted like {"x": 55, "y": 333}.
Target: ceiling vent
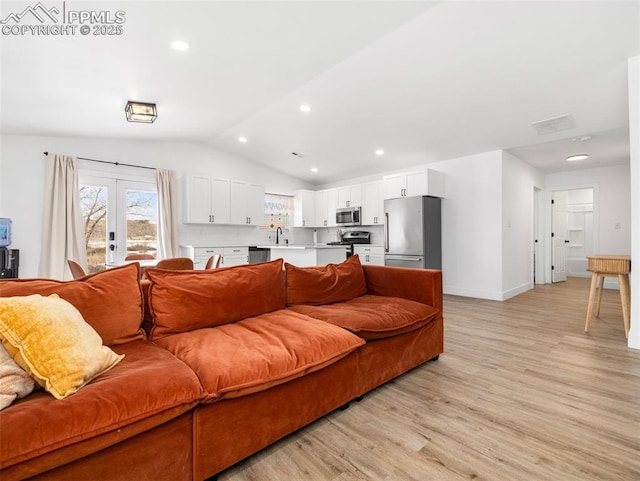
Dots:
{"x": 555, "y": 124}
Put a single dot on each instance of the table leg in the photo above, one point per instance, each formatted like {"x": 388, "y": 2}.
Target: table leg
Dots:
{"x": 600, "y": 289}
{"x": 625, "y": 298}
{"x": 592, "y": 298}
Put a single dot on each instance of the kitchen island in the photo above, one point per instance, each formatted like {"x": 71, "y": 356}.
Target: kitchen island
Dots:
{"x": 305, "y": 255}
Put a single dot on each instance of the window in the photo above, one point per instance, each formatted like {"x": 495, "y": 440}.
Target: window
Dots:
{"x": 278, "y": 209}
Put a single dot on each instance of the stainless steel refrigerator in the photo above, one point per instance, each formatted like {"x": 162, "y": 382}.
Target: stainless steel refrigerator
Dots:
{"x": 413, "y": 236}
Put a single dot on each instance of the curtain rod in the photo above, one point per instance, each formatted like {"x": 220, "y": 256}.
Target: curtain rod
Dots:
{"x": 112, "y": 163}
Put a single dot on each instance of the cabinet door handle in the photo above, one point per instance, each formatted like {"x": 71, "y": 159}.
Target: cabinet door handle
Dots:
{"x": 304, "y": 222}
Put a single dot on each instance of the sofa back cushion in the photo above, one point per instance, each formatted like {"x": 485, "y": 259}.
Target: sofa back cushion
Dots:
{"x": 325, "y": 284}
{"x": 110, "y": 300}
{"x": 182, "y": 301}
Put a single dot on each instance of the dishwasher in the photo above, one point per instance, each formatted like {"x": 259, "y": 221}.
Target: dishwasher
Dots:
{"x": 259, "y": 254}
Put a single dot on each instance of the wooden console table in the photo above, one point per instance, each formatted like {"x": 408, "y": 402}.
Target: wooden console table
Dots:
{"x": 603, "y": 266}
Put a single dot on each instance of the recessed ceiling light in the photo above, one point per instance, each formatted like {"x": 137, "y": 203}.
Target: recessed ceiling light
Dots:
{"x": 379, "y": 152}
{"x": 180, "y": 45}
{"x": 314, "y": 169}
{"x": 305, "y": 108}
{"x": 242, "y": 139}
{"x": 574, "y": 158}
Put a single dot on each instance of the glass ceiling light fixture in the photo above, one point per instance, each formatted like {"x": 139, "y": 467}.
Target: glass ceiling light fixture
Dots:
{"x": 574, "y": 158}
{"x": 141, "y": 112}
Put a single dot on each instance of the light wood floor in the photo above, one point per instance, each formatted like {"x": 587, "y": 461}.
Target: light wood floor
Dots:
{"x": 521, "y": 393}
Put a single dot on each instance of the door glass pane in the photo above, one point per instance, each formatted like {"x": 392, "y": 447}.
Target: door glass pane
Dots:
{"x": 93, "y": 201}
{"x": 141, "y": 222}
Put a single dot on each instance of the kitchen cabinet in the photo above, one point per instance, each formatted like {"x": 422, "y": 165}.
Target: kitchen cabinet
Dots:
{"x": 373, "y": 203}
{"x": 350, "y": 196}
{"x": 206, "y": 200}
{"x": 234, "y": 256}
{"x": 326, "y": 205}
{"x": 309, "y": 255}
{"x": 231, "y": 256}
{"x": 304, "y": 208}
{"x": 408, "y": 184}
{"x": 370, "y": 254}
{"x": 246, "y": 201}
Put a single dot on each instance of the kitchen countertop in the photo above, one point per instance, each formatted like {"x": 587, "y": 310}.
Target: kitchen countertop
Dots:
{"x": 301, "y": 246}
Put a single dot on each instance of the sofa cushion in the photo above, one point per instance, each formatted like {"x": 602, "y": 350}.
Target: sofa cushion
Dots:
{"x": 257, "y": 353}
{"x": 185, "y": 300}
{"x": 48, "y": 337}
{"x": 325, "y": 284}
{"x": 110, "y": 301}
{"x": 374, "y": 317}
{"x": 148, "y": 381}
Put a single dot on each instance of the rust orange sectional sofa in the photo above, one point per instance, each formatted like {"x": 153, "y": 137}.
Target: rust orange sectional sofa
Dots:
{"x": 233, "y": 360}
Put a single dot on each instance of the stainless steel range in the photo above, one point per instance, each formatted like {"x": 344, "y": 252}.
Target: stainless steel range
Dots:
{"x": 351, "y": 238}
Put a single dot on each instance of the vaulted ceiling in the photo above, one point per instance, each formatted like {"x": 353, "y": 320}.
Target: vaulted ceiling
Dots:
{"x": 424, "y": 81}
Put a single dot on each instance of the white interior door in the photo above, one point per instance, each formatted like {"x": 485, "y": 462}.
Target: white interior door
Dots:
{"x": 559, "y": 237}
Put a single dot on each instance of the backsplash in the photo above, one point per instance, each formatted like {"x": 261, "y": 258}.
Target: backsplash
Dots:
{"x": 229, "y": 235}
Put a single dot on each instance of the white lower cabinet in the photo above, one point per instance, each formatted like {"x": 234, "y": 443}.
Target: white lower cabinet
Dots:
{"x": 231, "y": 256}
{"x": 234, "y": 256}
{"x": 370, "y": 254}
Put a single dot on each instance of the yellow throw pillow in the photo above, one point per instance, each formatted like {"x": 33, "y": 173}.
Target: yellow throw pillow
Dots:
{"x": 48, "y": 337}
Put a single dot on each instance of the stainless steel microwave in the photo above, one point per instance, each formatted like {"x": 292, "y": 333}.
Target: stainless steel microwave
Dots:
{"x": 348, "y": 216}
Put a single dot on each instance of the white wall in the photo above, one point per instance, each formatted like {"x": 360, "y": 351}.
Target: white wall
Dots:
{"x": 519, "y": 180}
{"x": 634, "y": 130}
{"x": 472, "y": 225}
{"x": 22, "y": 181}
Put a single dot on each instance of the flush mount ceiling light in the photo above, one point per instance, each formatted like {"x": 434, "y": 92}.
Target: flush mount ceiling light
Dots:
{"x": 180, "y": 45}
{"x": 305, "y": 108}
{"x": 142, "y": 112}
{"x": 314, "y": 169}
{"x": 574, "y": 158}
{"x": 242, "y": 139}
{"x": 379, "y": 152}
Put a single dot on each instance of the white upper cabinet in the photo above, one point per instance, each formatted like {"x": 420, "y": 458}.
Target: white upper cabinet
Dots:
{"x": 350, "y": 196}
{"x": 206, "y": 200}
{"x": 210, "y": 200}
{"x": 373, "y": 203}
{"x": 332, "y": 206}
{"x": 321, "y": 219}
{"x": 220, "y": 201}
{"x": 326, "y": 205}
{"x": 246, "y": 203}
{"x": 304, "y": 208}
{"x": 421, "y": 182}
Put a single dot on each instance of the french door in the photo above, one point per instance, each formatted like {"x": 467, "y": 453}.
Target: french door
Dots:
{"x": 120, "y": 217}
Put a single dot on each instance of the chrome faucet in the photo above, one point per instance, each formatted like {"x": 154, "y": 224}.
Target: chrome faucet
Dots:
{"x": 279, "y": 229}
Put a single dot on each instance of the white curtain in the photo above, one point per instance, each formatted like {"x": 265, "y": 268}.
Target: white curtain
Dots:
{"x": 62, "y": 228}
{"x": 167, "y": 214}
